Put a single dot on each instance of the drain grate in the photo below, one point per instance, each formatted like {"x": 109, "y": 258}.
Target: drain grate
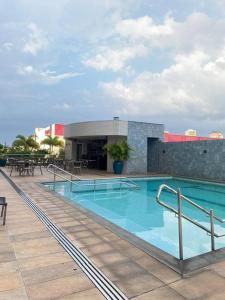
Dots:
{"x": 107, "y": 288}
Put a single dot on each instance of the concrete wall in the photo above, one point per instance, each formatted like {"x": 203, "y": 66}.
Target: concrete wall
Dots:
{"x": 96, "y": 128}
{"x": 70, "y": 149}
{"x": 200, "y": 159}
{"x": 138, "y": 134}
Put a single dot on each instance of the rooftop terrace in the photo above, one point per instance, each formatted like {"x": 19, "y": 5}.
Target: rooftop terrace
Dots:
{"x": 33, "y": 265}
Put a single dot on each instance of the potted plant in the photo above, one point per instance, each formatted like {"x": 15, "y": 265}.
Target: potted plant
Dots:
{"x": 119, "y": 152}
{"x": 3, "y": 161}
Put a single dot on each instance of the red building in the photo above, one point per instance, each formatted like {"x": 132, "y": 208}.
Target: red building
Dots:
{"x": 168, "y": 137}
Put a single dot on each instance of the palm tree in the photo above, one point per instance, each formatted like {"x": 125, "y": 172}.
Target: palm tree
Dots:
{"x": 26, "y": 143}
{"x": 52, "y": 142}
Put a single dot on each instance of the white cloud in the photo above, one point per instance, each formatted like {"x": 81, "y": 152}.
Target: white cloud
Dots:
{"x": 25, "y": 70}
{"x": 144, "y": 27}
{"x": 193, "y": 87}
{"x": 63, "y": 106}
{"x": 132, "y": 38}
{"x": 197, "y": 31}
{"x": 115, "y": 59}
{"x": 47, "y": 76}
{"x": 8, "y": 46}
{"x": 37, "y": 40}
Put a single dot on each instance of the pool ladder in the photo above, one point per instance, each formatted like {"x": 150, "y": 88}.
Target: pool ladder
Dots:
{"x": 56, "y": 171}
{"x": 180, "y": 215}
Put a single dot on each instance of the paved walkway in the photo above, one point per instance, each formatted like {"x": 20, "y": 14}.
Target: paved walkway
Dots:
{"x": 34, "y": 266}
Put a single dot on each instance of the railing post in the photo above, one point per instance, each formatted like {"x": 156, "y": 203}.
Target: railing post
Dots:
{"x": 212, "y": 230}
{"x": 71, "y": 182}
{"x": 180, "y": 231}
{"x": 54, "y": 180}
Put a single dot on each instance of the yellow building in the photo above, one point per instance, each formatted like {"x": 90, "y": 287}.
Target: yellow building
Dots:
{"x": 216, "y": 135}
{"x": 190, "y": 132}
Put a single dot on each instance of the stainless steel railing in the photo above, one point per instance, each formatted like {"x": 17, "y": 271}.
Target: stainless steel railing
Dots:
{"x": 56, "y": 171}
{"x": 180, "y": 215}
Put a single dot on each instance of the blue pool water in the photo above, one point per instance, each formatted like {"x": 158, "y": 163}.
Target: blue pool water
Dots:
{"x": 138, "y": 212}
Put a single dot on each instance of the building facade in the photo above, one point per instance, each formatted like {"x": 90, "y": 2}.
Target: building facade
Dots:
{"x": 86, "y": 140}
{"x": 190, "y": 132}
{"x": 216, "y": 135}
{"x": 52, "y": 130}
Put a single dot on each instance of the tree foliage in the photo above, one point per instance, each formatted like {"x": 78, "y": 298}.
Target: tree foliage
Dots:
{"x": 52, "y": 142}
{"x": 118, "y": 151}
{"x": 25, "y": 143}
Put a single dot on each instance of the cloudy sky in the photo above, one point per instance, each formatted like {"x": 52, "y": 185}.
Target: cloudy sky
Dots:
{"x": 74, "y": 60}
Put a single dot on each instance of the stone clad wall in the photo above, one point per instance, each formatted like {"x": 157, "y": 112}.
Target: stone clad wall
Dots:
{"x": 138, "y": 135}
{"x": 199, "y": 159}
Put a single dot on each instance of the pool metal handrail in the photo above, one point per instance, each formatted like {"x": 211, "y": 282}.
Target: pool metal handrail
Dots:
{"x": 180, "y": 215}
{"x": 51, "y": 166}
{"x": 130, "y": 183}
{"x": 54, "y": 172}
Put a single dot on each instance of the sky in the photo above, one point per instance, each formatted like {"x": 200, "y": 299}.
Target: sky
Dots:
{"x": 66, "y": 61}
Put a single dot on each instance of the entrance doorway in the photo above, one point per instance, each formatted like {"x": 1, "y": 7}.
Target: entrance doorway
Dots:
{"x": 92, "y": 151}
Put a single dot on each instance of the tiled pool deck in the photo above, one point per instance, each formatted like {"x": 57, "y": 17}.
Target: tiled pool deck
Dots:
{"x": 34, "y": 266}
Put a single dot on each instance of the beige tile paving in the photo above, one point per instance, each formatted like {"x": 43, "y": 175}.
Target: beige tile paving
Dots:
{"x": 39, "y": 267}
{"x": 10, "y": 281}
{"x": 164, "y": 292}
{"x": 32, "y": 263}
{"x": 60, "y": 287}
{"x": 15, "y": 294}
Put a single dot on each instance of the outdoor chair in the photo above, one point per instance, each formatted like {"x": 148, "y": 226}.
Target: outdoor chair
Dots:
{"x": 84, "y": 163}
{"x": 77, "y": 166}
{"x": 69, "y": 165}
{"x": 38, "y": 163}
{"x": 3, "y": 203}
{"x": 28, "y": 168}
{"x": 13, "y": 165}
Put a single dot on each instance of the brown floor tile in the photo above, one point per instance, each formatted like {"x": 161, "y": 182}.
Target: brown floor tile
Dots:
{"x": 10, "y": 281}
{"x": 68, "y": 223}
{"x": 159, "y": 270}
{"x": 44, "y": 260}
{"x": 163, "y": 293}
{"x": 92, "y": 294}
{"x": 7, "y": 256}
{"x": 33, "y": 248}
{"x": 5, "y": 247}
{"x": 17, "y": 294}
{"x": 98, "y": 248}
{"x": 30, "y": 236}
{"x": 62, "y": 220}
{"x": 4, "y": 237}
{"x": 47, "y": 273}
{"x": 90, "y": 241}
{"x": 26, "y": 229}
{"x": 140, "y": 284}
{"x": 77, "y": 228}
{"x": 108, "y": 258}
{"x": 204, "y": 285}
{"x": 80, "y": 234}
{"x": 8, "y": 267}
{"x": 123, "y": 270}
{"x": 219, "y": 268}
{"x": 59, "y": 287}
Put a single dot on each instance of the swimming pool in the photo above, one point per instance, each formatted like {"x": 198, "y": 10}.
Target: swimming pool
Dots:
{"x": 136, "y": 210}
